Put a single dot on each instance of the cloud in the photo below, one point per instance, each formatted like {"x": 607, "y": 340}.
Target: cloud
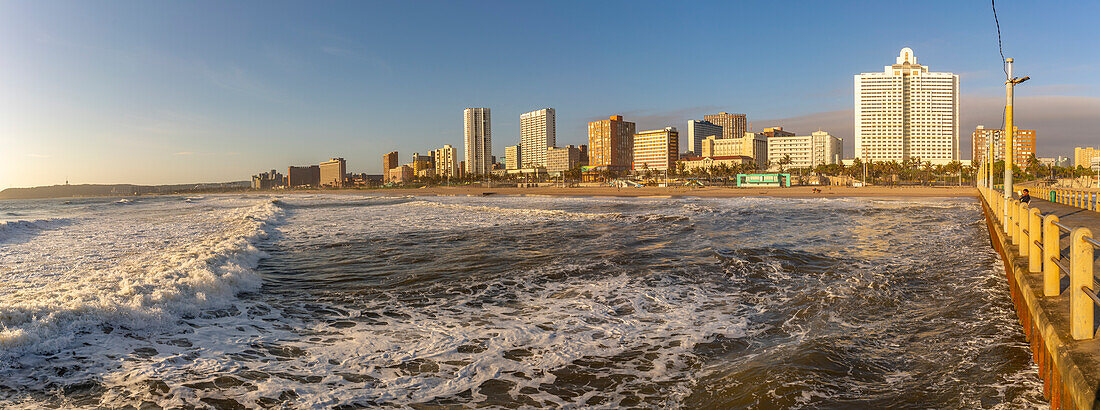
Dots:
{"x": 184, "y": 153}
{"x": 38, "y": 156}
{"x": 1061, "y": 122}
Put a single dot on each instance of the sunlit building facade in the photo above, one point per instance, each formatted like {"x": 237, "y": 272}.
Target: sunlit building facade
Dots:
{"x": 907, "y": 112}
{"x": 611, "y": 143}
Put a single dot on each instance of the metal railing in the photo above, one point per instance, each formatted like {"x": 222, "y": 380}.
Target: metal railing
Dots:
{"x": 1040, "y": 239}
{"x": 1079, "y": 198}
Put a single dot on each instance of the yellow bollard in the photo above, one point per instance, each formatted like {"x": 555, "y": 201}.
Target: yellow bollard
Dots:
{"x": 1035, "y": 233}
{"x": 1014, "y": 221}
{"x": 1051, "y": 251}
{"x": 1080, "y": 268}
{"x": 1024, "y": 231}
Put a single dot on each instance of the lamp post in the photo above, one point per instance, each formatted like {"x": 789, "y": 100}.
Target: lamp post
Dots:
{"x": 1009, "y": 131}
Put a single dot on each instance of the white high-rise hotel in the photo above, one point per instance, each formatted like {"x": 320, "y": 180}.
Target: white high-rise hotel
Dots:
{"x": 536, "y": 133}
{"x": 479, "y": 140}
{"x": 907, "y": 112}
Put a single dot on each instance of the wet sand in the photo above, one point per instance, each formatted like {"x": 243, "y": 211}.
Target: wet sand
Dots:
{"x": 706, "y": 192}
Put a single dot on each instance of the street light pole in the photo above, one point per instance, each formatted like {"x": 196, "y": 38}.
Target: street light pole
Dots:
{"x": 1009, "y": 131}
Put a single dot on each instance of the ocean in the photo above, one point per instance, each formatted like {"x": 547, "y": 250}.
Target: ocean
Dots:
{"x": 344, "y": 301}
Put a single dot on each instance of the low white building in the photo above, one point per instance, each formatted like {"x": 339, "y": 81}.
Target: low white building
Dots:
{"x": 806, "y": 150}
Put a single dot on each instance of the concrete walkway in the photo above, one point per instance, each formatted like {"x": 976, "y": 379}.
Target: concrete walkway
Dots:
{"x": 1069, "y": 216}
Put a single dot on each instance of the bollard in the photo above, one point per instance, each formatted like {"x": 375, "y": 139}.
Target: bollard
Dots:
{"x": 1080, "y": 267}
{"x": 1025, "y": 230}
{"x": 1051, "y": 251}
{"x": 1035, "y": 234}
{"x": 1014, "y": 221}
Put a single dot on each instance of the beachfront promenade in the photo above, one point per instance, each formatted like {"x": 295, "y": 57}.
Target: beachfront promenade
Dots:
{"x": 1048, "y": 252}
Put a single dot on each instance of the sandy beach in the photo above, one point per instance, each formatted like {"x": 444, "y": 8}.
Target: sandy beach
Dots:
{"x": 706, "y": 192}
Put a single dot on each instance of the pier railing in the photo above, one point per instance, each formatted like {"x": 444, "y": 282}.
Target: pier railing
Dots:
{"x": 1079, "y": 198}
{"x": 1053, "y": 250}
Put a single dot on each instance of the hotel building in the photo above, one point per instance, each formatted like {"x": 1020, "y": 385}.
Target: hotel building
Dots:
{"x": 1084, "y": 156}
{"x": 303, "y": 176}
{"x": 333, "y": 172}
{"x": 805, "y": 150}
{"x": 733, "y": 125}
{"x": 611, "y": 143}
{"x": 750, "y": 145}
{"x": 536, "y": 134}
{"x": 907, "y": 112}
{"x": 389, "y": 161}
{"x": 513, "y": 157}
{"x": 479, "y": 140}
{"x": 698, "y": 131}
{"x": 560, "y": 159}
{"x": 656, "y": 149}
{"x": 446, "y": 161}
{"x": 1023, "y": 145}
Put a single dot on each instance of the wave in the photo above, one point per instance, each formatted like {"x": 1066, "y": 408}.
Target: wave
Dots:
{"x": 13, "y": 229}
{"x": 147, "y": 291}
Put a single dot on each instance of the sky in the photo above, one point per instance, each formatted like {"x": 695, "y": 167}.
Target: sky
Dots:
{"x": 210, "y": 91}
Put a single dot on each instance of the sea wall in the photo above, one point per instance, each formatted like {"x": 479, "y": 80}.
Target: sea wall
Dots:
{"x": 1069, "y": 368}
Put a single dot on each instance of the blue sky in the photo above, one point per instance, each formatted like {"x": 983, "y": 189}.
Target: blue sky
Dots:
{"x": 176, "y": 92}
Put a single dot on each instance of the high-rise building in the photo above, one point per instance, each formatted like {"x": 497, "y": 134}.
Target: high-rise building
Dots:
{"x": 536, "y": 133}
{"x": 267, "y": 180}
{"x": 446, "y": 162}
{"x": 420, "y": 162}
{"x": 332, "y": 173}
{"x": 560, "y": 159}
{"x": 389, "y": 161}
{"x": 303, "y": 176}
{"x": 805, "y": 150}
{"x": 479, "y": 140}
{"x": 907, "y": 112}
{"x": 733, "y": 125}
{"x": 1023, "y": 145}
{"x": 513, "y": 157}
{"x": 698, "y": 131}
{"x": 656, "y": 149}
{"x": 751, "y": 145}
{"x": 611, "y": 143}
{"x": 1084, "y": 156}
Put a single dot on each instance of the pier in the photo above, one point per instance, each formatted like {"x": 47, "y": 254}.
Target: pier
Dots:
{"x": 1048, "y": 251}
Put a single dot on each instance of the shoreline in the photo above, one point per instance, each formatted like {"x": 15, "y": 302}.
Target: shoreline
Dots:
{"x": 640, "y": 192}
{"x": 659, "y": 192}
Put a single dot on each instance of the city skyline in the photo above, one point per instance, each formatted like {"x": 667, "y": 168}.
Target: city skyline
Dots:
{"x": 177, "y": 93}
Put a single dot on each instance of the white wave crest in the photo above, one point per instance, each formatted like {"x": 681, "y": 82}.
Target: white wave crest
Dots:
{"x": 14, "y": 229}
{"x": 44, "y": 311}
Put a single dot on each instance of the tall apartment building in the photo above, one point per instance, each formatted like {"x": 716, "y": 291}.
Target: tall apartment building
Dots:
{"x": 733, "y": 125}
{"x": 611, "y": 143}
{"x": 1084, "y": 156}
{"x": 698, "y": 131}
{"x": 446, "y": 161}
{"x": 750, "y": 145}
{"x": 332, "y": 173}
{"x": 479, "y": 140}
{"x": 805, "y": 150}
{"x": 389, "y": 161}
{"x": 421, "y": 162}
{"x": 303, "y": 176}
{"x": 513, "y": 157}
{"x": 536, "y": 134}
{"x": 1023, "y": 145}
{"x": 907, "y": 112}
{"x": 656, "y": 149}
{"x": 560, "y": 159}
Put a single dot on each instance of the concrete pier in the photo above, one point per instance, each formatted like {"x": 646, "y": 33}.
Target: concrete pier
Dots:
{"x": 1070, "y": 368}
